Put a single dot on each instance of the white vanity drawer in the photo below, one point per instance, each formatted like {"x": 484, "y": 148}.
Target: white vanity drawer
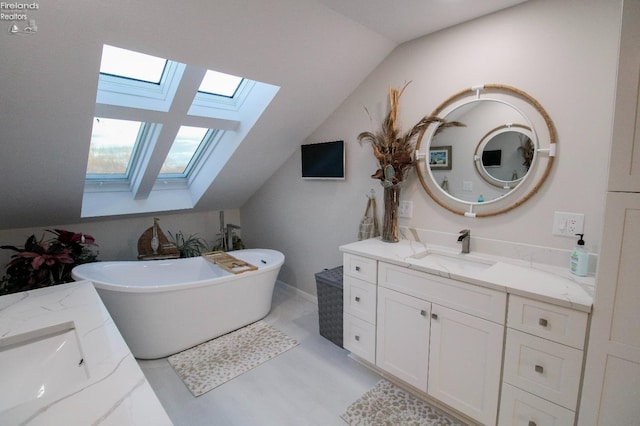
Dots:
{"x": 472, "y": 299}
{"x": 359, "y": 299}
{"x": 360, "y": 267}
{"x": 544, "y": 368}
{"x": 520, "y": 408}
{"x": 359, "y": 337}
{"x": 557, "y": 323}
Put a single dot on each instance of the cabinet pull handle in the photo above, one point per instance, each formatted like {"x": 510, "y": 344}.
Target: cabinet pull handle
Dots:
{"x": 543, "y": 322}
{"x": 434, "y": 316}
{"x": 357, "y": 269}
{"x": 357, "y": 338}
{"x": 532, "y": 423}
{"x": 539, "y": 369}
{"x": 423, "y": 313}
{"x": 357, "y": 298}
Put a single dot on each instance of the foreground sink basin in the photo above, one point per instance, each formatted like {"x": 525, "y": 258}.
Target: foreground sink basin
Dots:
{"x": 40, "y": 363}
{"x": 450, "y": 261}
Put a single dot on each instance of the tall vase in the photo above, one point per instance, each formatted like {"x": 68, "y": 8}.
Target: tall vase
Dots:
{"x": 390, "y": 221}
{"x": 155, "y": 242}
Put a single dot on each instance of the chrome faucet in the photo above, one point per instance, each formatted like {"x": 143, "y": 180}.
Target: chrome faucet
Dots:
{"x": 465, "y": 239}
{"x": 229, "y": 235}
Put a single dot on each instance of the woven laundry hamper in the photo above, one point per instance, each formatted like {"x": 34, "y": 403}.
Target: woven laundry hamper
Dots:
{"x": 329, "y": 288}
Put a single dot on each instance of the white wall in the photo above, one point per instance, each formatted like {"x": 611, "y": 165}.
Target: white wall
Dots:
{"x": 118, "y": 239}
{"x": 561, "y": 52}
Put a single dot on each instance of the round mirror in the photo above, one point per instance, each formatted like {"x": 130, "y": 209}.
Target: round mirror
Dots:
{"x": 496, "y": 161}
{"x": 504, "y": 155}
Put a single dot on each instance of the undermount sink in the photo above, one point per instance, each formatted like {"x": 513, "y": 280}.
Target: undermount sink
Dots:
{"x": 451, "y": 261}
{"x": 40, "y": 363}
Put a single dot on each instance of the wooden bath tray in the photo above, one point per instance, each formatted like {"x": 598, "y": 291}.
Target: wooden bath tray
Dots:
{"x": 228, "y": 262}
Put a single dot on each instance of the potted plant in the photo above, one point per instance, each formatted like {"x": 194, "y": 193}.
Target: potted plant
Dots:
{"x": 190, "y": 246}
{"x": 46, "y": 262}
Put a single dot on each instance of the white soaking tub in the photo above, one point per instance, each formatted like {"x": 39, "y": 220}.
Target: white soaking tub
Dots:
{"x": 162, "y": 307}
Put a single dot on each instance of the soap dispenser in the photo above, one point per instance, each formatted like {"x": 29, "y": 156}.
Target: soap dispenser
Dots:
{"x": 579, "y": 264}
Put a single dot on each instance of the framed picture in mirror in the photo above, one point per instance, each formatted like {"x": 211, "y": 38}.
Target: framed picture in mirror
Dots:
{"x": 440, "y": 157}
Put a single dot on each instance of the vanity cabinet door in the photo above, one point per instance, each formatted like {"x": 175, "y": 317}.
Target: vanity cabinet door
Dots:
{"x": 359, "y": 299}
{"x": 359, "y": 337}
{"x": 465, "y": 360}
{"x": 544, "y": 368}
{"x": 402, "y": 346}
{"x": 520, "y": 408}
{"x": 360, "y": 267}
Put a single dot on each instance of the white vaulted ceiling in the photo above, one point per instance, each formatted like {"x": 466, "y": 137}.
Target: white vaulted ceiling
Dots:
{"x": 316, "y": 51}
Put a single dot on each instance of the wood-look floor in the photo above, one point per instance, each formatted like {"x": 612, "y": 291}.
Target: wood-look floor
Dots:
{"x": 311, "y": 384}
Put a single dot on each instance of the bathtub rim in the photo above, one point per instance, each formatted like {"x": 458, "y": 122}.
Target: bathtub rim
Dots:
{"x": 227, "y": 276}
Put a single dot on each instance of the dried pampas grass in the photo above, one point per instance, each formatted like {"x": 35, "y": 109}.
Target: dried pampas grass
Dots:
{"x": 393, "y": 150}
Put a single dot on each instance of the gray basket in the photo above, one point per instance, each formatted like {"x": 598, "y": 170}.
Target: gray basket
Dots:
{"x": 329, "y": 288}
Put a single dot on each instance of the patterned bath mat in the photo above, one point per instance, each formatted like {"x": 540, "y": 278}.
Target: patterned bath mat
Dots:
{"x": 217, "y": 361}
{"x": 388, "y": 405}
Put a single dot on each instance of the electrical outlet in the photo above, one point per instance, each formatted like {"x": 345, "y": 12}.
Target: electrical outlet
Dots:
{"x": 568, "y": 224}
{"x": 405, "y": 209}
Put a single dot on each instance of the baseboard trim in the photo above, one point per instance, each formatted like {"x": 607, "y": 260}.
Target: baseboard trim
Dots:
{"x": 307, "y": 296}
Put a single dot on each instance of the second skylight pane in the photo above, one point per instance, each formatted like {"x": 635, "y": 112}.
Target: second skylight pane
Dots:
{"x": 183, "y": 149}
{"x": 130, "y": 64}
{"x": 218, "y": 83}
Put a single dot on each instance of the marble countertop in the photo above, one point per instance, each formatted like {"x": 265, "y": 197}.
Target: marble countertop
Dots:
{"x": 537, "y": 281}
{"x": 114, "y": 392}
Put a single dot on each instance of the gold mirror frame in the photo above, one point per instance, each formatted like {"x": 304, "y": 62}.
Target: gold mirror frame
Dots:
{"x": 518, "y": 195}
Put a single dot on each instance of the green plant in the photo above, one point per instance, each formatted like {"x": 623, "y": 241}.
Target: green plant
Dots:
{"x": 190, "y": 246}
{"x": 46, "y": 262}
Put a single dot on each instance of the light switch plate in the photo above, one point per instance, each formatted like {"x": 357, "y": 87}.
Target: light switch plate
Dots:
{"x": 405, "y": 209}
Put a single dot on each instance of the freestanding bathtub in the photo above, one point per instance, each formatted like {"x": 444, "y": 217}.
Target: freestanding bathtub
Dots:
{"x": 162, "y": 307}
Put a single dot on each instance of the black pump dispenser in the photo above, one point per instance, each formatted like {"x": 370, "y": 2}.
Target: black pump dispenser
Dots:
{"x": 580, "y": 241}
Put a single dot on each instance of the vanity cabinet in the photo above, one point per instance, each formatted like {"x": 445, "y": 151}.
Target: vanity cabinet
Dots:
{"x": 439, "y": 336}
{"x": 359, "y": 300}
{"x": 497, "y": 357}
{"x": 544, "y": 354}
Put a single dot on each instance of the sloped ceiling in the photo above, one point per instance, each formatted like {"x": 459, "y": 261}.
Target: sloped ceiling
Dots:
{"x": 406, "y": 20}
{"x": 316, "y": 51}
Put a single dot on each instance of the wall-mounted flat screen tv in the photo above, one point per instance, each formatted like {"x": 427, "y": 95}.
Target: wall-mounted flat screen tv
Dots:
{"x": 324, "y": 160}
{"x": 492, "y": 158}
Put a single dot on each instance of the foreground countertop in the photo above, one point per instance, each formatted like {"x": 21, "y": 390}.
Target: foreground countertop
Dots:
{"x": 541, "y": 282}
{"x": 115, "y": 392}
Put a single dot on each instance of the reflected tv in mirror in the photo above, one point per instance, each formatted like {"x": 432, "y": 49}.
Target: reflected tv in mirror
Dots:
{"x": 492, "y": 158}
{"x": 324, "y": 160}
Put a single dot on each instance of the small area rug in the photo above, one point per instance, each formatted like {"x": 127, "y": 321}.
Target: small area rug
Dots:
{"x": 388, "y": 405}
{"x": 217, "y": 361}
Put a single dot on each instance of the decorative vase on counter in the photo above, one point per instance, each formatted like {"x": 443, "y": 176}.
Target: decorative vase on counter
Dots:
{"x": 390, "y": 220}
{"x": 155, "y": 242}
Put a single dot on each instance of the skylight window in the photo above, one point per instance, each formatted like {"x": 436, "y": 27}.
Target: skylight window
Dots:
{"x": 184, "y": 149}
{"x": 112, "y": 146}
{"x": 217, "y": 83}
{"x": 126, "y": 63}
{"x": 149, "y": 154}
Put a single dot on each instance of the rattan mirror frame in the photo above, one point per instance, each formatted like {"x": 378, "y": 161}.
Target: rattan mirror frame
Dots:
{"x": 515, "y": 198}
